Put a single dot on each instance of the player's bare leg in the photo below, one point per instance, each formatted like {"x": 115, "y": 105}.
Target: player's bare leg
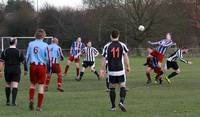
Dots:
{"x": 67, "y": 67}
{"x": 148, "y": 71}
{"x": 95, "y": 72}
{"x": 47, "y": 82}
{"x": 14, "y": 86}
{"x": 122, "y": 96}
{"x": 59, "y": 82}
{"x": 8, "y": 92}
{"x": 159, "y": 72}
{"x": 79, "y": 78}
{"x": 148, "y": 60}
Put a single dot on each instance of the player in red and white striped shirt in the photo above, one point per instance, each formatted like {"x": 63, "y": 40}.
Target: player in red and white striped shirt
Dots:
{"x": 55, "y": 55}
{"x": 159, "y": 52}
{"x": 38, "y": 57}
{"x": 75, "y": 52}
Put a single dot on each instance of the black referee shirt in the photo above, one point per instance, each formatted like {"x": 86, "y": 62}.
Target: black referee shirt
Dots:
{"x": 12, "y": 58}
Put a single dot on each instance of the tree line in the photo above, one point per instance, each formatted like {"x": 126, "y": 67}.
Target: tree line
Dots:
{"x": 97, "y": 18}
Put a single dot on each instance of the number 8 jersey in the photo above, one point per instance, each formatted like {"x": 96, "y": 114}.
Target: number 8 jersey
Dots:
{"x": 114, "y": 54}
{"x": 37, "y": 52}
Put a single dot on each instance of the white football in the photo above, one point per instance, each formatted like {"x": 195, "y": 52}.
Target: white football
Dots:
{"x": 141, "y": 28}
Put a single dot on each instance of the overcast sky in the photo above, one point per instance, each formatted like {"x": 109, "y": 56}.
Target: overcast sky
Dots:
{"x": 60, "y": 3}
{"x": 57, "y": 3}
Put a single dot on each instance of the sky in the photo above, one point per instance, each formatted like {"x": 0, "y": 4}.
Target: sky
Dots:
{"x": 57, "y": 3}
{"x": 60, "y": 3}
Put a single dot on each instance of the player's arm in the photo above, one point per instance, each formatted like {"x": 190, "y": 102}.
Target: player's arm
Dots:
{"x": 72, "y": 47}
{"x": 96, "y": 52}
{"x": 127, "y": 63}
{"x": 154, "y": 43}
{"x": 2, "y": 63}
{"x": 28, "y": 52}
{"x": 81, "y": 48}
{"x": 49, "y": 64}
{"x": 77, "y": 55}
{"x": 61, "y": 54}
{"x": 83, "y": 51}
{"x": 102, "y": 68}
{"x": 27, "y": 59}
{"x": 1, "y": 69}
{"x": 21, "y": 56}
{"x": 126, "y": 58}
{"x": 103, "y": 62}
{"x": 183, "y": 60}
{"x": 169, "y": 44}
{"x": 180, "y": 56}
{"x": 23, "y": 61}
{"x": 173, "y": 44}
{"x": 70, "y": 50}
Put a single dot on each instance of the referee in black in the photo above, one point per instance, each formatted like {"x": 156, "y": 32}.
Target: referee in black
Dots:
{"x": 89, "y": 61}
{"x": 115, "y": 53}
{"x": 12, "y": 57}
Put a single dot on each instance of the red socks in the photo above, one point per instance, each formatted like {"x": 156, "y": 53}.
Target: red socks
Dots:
{"x": 31, "y": 97}
{"x": 59, "y": 80}
{"x": 31, "y": 94}
{"x": 47, "y": 81}
{"x": 40, "y": 99}
{"x": 157, "y": 70}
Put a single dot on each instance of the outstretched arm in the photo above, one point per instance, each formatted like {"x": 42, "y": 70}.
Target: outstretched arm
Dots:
{"x": 182, "y": 59}
{"x": 185, "y": 61}
{"x": 169, "y": 44}
{"x": 154, "y": 43}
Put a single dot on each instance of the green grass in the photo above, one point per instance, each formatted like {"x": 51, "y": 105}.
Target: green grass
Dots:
{"x": 89, "y": 99}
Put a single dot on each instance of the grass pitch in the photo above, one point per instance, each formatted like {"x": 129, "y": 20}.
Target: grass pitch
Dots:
{"x": 89, "y": 99}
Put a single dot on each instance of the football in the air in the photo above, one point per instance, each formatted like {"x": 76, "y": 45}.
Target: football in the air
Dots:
{"x": 141, "y": 28}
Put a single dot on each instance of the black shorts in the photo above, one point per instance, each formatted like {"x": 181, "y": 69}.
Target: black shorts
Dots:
{"x": 116, "y": 79}
{"x": 88, "y": 64}
{"x": 172, "y": 65}
{"x": 12, "y": 77}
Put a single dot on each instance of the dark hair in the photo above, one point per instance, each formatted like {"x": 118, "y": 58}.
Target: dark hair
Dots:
{"x": 89, "y": 41}
{"x": 183, "y": 48}
{"x": 12, "y": 41}
{"x": 115, "y": 34}
{"x": 40, "y": 33}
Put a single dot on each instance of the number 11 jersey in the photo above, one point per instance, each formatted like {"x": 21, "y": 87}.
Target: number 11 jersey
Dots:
{"x": 114, "y": 53}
